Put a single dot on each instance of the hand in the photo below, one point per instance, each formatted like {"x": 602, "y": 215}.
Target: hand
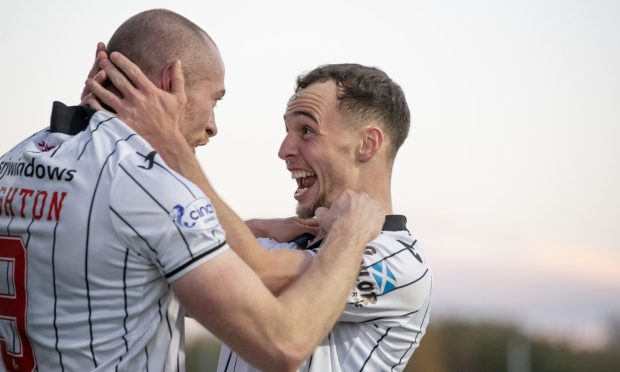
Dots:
{"x": 95, "y": 73}
{"x": 354, "y": 213}
{"x": 153, "y": 113}
{"x": 283, "y": 229}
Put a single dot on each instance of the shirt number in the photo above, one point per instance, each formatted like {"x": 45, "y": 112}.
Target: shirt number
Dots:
{"x": 16, "y": 349}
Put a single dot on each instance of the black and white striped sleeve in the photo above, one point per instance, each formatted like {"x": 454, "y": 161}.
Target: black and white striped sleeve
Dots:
{"x": 394, "y": 283}
{"x": 164, "y": 216}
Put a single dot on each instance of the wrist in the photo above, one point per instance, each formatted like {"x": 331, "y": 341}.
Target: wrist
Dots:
{"x": 175, "y": 150}
{"x": 257, "y": 226}
{"x": 352, "y": 232}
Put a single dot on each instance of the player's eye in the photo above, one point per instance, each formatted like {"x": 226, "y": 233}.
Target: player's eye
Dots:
{"x": 216, "y": 101}
{"x": 306, "y": 131}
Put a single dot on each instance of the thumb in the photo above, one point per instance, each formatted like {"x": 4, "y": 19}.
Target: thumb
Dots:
{"x": 309, "y": 222}
{"x": 320, "y": 212}
{"x": 177, "y": 81}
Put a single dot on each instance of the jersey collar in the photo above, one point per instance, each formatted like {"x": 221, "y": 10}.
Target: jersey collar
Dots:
{"x": 70, "y": 119}
{"x": 393, "y": 222}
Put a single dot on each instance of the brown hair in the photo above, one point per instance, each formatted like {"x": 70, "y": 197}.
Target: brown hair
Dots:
{"x": 366, "y": 93}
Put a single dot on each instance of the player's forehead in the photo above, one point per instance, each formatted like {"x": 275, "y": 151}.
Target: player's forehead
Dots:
{"x": 216, "y": 65}
{"x": 206, "y": 89}
{"x": 316, "y": 101}
{"x": 206, "y": 73}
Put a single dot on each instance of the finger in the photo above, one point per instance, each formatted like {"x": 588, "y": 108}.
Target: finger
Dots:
{"x": 102, "y": 54}
{"x": 177, "y": 81}
{"x": 314, "y": 230}
{"x": 320, "y": 213}
{"x": 92, "y": 102}
{"x": 310, "y": 222}
{"x": 99, "y": 54}
{"x": 131, "y": 71}
{"x": 86, "y": 98}
{"x": 104, "y": 95}
{"x": 100, "y": 77}
{"x": 118, "y": 79}
{"x": 84, "y": 95}
{"x": 101, "y": 48}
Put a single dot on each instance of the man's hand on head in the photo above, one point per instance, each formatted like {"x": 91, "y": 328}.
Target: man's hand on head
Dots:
{"x": 153, "y": 113}
{"x": 87, "y": 98}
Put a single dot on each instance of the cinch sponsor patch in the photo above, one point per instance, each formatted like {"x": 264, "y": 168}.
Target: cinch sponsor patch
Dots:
{"x": 198, "y": 215}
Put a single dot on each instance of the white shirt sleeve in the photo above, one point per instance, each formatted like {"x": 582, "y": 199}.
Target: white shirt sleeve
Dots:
{"x": 394, "y": 282}
{"x": 163, "y": 216}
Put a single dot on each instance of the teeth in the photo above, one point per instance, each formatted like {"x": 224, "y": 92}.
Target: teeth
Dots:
{"x": 301, "y": 174}
{"x": 300, "y": 191}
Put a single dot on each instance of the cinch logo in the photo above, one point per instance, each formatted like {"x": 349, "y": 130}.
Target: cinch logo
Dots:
{"x": 198, "y": 215}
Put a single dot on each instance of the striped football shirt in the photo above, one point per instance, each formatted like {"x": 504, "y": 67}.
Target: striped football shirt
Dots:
{"x": 94, "y": 227}
{"x": 387, "y": 312}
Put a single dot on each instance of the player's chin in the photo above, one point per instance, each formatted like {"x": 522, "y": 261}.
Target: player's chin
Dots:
{"x": 195, "y": 147}
{"x": 304, "y": 212}
{"x": 307, "y": 208}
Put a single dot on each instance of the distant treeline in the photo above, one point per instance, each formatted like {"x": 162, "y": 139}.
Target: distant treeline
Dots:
{"x": 456, "y": 346}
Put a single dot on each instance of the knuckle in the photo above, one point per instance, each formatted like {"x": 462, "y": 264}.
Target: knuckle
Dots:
{"x": 148, "y": 90}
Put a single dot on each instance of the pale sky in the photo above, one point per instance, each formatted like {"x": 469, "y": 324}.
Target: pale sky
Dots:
{"x": 510, "y": 177}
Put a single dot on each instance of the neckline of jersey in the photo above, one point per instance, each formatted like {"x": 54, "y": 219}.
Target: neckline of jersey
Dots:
{"x": 393, "y": 222}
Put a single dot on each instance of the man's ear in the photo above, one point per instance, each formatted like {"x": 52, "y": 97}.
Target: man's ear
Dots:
{"x": 372, "y": 142}
{"x": 166, "y": 78}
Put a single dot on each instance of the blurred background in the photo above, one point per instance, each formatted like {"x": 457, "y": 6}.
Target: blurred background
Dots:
{"x": 510, "y": 176}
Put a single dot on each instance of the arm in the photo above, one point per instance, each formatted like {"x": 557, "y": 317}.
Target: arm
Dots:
{"x": 264, "y": 329}
{"x": 138, "y": 109}
{"x": 224, "y": 294}
{"x": 276, "y": 269}
{"x": 282, "y": 229}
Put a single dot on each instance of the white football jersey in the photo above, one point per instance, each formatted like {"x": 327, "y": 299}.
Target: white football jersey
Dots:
{"x": 386, "y": 315}
{"x": 94, "y": 227}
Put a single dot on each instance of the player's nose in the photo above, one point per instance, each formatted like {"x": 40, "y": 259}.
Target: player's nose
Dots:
{"x": 211, "y": 128}
{"x": 287, "y": 148}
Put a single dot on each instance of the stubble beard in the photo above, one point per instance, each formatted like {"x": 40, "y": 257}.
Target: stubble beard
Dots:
{"x": 308, "y": 212}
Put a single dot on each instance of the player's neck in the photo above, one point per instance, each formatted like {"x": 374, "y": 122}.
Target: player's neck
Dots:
{"x": 380, "y": 189}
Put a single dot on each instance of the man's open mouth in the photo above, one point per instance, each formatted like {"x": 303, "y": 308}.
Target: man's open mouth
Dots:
{"x": 305, "y": 180}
